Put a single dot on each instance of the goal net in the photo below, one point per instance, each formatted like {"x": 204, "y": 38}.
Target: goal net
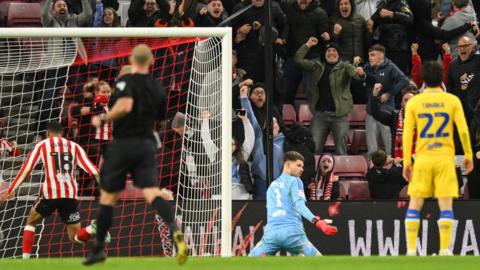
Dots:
{"x": 55, "y": 76}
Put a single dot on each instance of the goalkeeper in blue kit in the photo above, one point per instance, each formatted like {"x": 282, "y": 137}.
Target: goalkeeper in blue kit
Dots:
{"x": 285, "y": 209}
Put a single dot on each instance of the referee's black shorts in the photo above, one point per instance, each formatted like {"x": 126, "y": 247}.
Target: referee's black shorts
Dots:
{"x": 129, "y": 155}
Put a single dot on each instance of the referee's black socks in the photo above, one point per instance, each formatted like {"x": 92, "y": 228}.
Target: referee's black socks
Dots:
{"x": 104, "y": 221}
{"x": 164, "y": 209}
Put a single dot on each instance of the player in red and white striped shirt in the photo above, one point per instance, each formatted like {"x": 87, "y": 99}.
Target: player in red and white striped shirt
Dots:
{"x": 9, "y": 147}
{"x": 103, "y": 133}
{"x": 60, "y": 157}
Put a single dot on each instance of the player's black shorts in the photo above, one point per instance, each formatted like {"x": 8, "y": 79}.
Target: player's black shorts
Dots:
{"x": 66, "y": 208}
{"x": 130, "y": 155}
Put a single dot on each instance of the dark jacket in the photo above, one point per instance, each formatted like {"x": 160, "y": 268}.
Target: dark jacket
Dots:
{"x": 392, "y": 79}
{"x": 426, "y": 34}
{"x": 394, "y": 31}
{"x": 75, "y": 7}
{"x": 137, "y": 17}
{"x": 340, "y": 77}
{"x": 385, "y": 183}
{"x": 311, "y": 22}
{"x": 466, "y": 89}
{"x": 250, "y": 50}
{"x": 354, "y": 39}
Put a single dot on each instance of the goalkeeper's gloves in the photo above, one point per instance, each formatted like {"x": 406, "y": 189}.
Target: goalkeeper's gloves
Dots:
{"x": 322, "y": 224}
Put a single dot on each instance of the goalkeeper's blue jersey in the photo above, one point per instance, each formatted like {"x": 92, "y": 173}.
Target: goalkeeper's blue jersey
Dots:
{"x": 286, "y": 203}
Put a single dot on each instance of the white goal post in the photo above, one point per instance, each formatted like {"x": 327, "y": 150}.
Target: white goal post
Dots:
{"x": 224, "y": 108}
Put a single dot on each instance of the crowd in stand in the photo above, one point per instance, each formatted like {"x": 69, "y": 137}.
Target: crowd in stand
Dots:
{"x": 330, "y": 55}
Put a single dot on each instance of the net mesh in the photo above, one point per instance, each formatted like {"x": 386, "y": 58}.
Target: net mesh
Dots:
{"x": 199, "y": 199}
{"x": 44, "y": 79}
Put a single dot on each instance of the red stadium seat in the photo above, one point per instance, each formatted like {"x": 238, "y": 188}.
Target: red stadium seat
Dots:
{"x": 329, "y": 145}
{"x": 359, "y": 142}
{"x": 304, "y": 115}
{"x": 289, "y": 115}
{"x": 19, "y": 14}
{"x": 299, "y": 102}
{"x": 358, "y": 190}
{"x": 350, "y": 167}
{"x": 358, "y": 115}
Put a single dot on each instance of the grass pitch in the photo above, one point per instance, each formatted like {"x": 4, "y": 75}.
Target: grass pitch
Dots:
{"x": 246, "y": 263}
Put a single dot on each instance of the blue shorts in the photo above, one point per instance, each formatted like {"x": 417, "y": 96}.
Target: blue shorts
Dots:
{"x": 292, "y": 240}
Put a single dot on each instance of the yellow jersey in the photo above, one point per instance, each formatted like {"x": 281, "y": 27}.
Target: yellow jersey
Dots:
{"x": 432, "y": 114}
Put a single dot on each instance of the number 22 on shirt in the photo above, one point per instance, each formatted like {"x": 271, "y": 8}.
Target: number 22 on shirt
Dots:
{"x": 428, "y": 131}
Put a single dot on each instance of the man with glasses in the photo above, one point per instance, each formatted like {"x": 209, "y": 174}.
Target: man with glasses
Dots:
{"x": 464, "y": 76}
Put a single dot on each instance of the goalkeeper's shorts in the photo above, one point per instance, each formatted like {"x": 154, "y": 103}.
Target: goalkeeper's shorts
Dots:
{"x": 291, "y": 240}
{"x": 130, "y": 155}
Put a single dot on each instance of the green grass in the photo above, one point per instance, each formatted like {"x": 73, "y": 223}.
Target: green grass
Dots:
{"x": 245, "y": 263}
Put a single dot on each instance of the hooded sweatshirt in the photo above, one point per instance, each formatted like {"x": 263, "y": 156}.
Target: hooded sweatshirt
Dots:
{"x": 457, "y": 19}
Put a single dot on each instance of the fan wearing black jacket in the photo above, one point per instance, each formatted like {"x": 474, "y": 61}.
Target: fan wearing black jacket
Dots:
{"x": 384, "y": 183}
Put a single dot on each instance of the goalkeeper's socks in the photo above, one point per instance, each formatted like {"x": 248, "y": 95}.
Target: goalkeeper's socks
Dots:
{"x": 445, "y": 226}
{"x": 28, "y": 239}
{"x": 412, "y": 225}
{"x": 83, "y": 235}
{"x": 104, "y": 221}
{"x": 164, "y": 209}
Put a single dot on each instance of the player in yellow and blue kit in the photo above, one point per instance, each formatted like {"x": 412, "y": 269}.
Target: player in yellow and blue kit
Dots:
{"x": 285, "y": 208}
{"x": 431, "y": 116}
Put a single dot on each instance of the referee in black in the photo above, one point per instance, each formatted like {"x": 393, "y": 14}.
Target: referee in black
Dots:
{"x": 141, "y": 100}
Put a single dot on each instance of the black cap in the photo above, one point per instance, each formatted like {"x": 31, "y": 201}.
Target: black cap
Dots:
{"x": 333, "y": 45}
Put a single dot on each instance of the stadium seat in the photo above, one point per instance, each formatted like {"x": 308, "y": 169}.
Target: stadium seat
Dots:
{"x": 358, "y": 190}
{"x": 358, "y": 115}
{"x": 350, "y": 167}
{"x": 19, "y": 14}
{"x": 359, "y": 142}
{"x": 329, "y": 145}
{"x": 289, "y": 115}
{"x": 304, "y": 115}
{"x": 299, "y": 102}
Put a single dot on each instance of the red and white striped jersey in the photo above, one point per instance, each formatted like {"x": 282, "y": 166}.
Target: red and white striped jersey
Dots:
{"x": 104, "y": 131}
{"x": 60, "y": 157}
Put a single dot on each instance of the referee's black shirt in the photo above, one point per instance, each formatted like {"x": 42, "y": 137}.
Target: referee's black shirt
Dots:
{"x": 149, "y": 105}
